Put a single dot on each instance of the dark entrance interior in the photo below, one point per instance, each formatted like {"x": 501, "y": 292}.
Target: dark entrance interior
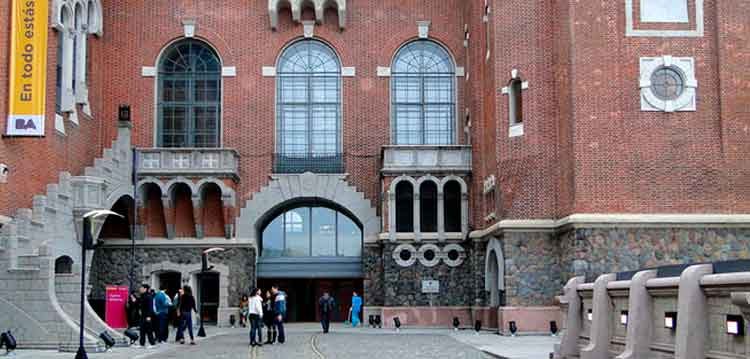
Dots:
{"x": 209, "y": 295}
{"x": 303, "y": 294}
{"x": 172, "y": 281}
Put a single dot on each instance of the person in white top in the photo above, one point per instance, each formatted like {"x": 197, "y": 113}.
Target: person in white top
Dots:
{"x": 255, "y": 310}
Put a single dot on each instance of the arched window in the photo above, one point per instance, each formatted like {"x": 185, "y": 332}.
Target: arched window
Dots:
{"x": 308, "y": 108}
{"x": 189, "y": 95}
{"x": 423, "y": 93}
{"x": 428, "y": 207}
{"x": 64, "y": 265}
{"x": 452, "y": 206}
{"x": 312, "y": 231}
{"x": 404, "y": 207}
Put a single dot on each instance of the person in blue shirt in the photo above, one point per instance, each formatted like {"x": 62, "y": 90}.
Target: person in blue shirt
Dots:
{"x": 280, "y": 311}
{"x": 162, "y": 304}
{"x": 356, "y": 308}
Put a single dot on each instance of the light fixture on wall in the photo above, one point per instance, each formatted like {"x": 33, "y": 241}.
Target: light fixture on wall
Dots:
{"x": 670, "y": 320}
{"x": 624, "y": 317}
{"x": 513, "y": 328}
{"x": 553, "y": 328}
{"x": 371, "y": 320}
{"x": 397, "y": 323}
{"x": 456, "y": 323}
{"x": 590, "y": 315}
{"x": 735, "y": 325}
{"x": 477, "y": 326}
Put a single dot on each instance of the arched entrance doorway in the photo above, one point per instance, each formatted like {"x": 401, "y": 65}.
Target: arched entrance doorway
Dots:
{"x": 308, "y": 247}
{"x": 494, "y": 273}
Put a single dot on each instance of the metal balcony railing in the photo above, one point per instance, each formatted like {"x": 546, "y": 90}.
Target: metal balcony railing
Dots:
{"x": 308, "y": 162}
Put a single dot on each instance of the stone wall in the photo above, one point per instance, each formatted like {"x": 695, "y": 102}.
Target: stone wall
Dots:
{"x": 594, "y": 251}
{"x": 111, "y": 265}
{"x": 372, "y": 267}
{"x": 532, "y": 268}
{"x": 403, "y": 285}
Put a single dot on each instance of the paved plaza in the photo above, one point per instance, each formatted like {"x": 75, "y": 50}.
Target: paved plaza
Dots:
{"x": 306, "y": 341}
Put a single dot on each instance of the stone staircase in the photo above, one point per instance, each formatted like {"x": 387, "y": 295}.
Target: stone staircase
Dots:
{"x": 39, "y": 306}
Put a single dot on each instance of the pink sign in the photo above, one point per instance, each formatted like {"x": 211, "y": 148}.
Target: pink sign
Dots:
{"x": 115, "y": 314}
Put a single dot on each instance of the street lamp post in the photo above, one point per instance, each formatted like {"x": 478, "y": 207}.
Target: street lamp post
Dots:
{"x": 204, "y": 268}
{"x": 87, "y": 242}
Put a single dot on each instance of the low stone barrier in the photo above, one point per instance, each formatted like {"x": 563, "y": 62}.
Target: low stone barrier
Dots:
{"x": 685, "y": 311}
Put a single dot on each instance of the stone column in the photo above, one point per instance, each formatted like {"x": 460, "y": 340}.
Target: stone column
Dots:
{"x": 640, "y": 311}
{"x": 198, "y": 216}
{"x": 391, "y": 216}
{"x": 692, "y": 314}
{"x": 441, "y": 214}
{"x": 169, "y": 216}
{"x": 601, "y": 325}
{"x": 464, "y": 214}
{"x": 228, "y": 212}
{"x": 417, "y": 218}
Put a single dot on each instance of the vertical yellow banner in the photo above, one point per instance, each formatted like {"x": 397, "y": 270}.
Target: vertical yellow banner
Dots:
{"x": 28, "y": 67}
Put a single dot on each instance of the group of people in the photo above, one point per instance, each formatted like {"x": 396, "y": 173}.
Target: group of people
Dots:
{"x": 267, "y": 310}
{"x": 150, "y": 310}
{"x": 327, "y": 305}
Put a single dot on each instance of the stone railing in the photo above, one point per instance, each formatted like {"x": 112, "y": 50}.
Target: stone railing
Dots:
{"x": 428, "y": 159}
{"x": 687, "y": 311}
{"x": 215, "y": 162}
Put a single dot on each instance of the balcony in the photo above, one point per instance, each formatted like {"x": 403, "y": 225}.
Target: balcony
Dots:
{"x": 399, "y": 159}
{"x": 308, "y": 162}
{"x": 198, "y": 162}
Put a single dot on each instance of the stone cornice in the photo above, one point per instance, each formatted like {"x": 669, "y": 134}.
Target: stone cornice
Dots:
{"x": 594, "y": 220}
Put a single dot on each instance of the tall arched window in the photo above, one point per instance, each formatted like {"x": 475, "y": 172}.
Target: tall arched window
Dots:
{"x": 428, "y": 207}
{"x": 308, "y": 108}
{"x": 423, "y": 95}
{"x": 189, "y": 95}
{"x": 404, "y": 207}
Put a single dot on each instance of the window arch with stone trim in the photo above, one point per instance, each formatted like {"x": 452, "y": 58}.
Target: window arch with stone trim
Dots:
{"x": 308, "y": 106}
{"x": 64, "y": 265}
{"x": 423, "y": 95}
{"x": 452, "y": 196}
{"x": 494, "y": 272}
{"x": 404, "y": 209}
{"x": 189, "y": 95}
{"x": 428, "y": 206}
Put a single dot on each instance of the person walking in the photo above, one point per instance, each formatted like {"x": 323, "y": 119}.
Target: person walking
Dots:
{"x": 185, "y": 310}
{"x": 326, "y": 304}
{"x": 131, "y": 307}
{"x": 178, "y": 317}
{"x": 162, "y": 304}
{"x": 255, "y": 310}
{"x": 356, "y": 308}
{"x": 279, "y": 308}
{"x": 244, "y": 302}
{"x": 146, "y": 306}
{"x": 268, "y": 316}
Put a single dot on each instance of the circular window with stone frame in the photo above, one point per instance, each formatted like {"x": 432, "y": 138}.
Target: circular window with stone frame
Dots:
{"x": 405, "y": 255}
{"x": 668, "y": 84}
{"x": 454, "y": 255}
{"x": 429, "y": 255}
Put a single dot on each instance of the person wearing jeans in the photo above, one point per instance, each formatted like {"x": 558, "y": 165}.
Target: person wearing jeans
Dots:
{"x": 147, "y": 316}
{"x": 186, "y": 309}
{"x": 279, "y": 311}
{"x": 255, "y": 310}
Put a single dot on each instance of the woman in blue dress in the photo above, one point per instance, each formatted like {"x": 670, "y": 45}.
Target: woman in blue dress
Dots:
{"x": 356, "y": 308}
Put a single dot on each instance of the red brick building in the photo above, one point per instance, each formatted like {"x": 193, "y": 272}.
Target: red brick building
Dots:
{"x": 437, "y": 156}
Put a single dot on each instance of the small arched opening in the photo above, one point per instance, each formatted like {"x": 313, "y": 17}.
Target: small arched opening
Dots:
{"x": 213, "y": 210}
{"x": 119, "y": 227}
{"x": 182, "y": 205}
{"x": 452, "y": 206}
{"x": 428, "y": 207}
{"x": 64, "y": 265}
{"x": 404, "y": 207}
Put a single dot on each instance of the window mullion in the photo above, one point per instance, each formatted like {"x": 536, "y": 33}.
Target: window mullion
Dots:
{"x": 424, "y": 108}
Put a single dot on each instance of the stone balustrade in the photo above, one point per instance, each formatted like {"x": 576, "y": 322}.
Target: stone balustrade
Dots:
{"x": 686, "y": 311}
{"x": 214, "y": 162}
{"x": 454, "y": 159}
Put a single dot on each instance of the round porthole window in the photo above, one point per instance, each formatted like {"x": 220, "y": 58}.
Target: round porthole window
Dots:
{"x": 429, "y": 255}
{"x": 667, "y": 83}
{"x": 453, "y": 255}
{"x": 405, "y": 255}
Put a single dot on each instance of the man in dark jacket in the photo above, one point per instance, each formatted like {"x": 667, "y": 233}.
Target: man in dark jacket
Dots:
{"x": 326, "y": 305}
{"x": 146, "y": 305}
{"x": 279, "y": 304}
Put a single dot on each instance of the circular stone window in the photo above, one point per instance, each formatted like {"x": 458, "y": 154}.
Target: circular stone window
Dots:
{"x": 429, "y": 255}
{"x": 405, "y": 255}
{"x": 667, "y": 83}
{"x": 453, "y": 255}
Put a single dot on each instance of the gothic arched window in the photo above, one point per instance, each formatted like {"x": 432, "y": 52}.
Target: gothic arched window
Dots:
{"x": 189, "y": 95}
{"x": 308, "y": 108}
{"x": 423, "y": 94}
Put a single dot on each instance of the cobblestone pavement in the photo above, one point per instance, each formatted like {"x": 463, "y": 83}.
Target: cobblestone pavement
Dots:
{"x": 303, "y": 341}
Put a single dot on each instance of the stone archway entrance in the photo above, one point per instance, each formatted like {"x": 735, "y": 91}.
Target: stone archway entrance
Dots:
{"x": 494, "y": 273}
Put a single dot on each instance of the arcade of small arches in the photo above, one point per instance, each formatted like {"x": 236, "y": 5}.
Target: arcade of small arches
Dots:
{"x": 428, "y": 207}
{"x": 182, "y": 208}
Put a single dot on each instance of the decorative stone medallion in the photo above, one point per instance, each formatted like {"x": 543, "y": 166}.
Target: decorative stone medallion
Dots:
{"x": 405, "y": 255}
{"x": 429, "y": 255}
{"x": 453, "y": 255}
